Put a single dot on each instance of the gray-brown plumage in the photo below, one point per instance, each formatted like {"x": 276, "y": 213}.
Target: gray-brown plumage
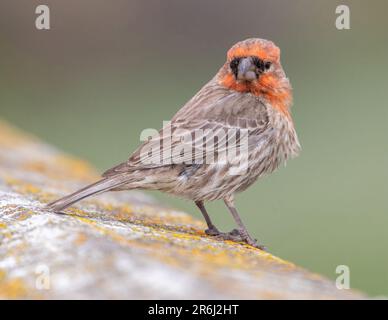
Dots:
{"x": 250, "y": 98}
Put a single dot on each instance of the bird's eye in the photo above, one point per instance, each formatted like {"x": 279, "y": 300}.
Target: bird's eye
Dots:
{"x": 234, "y": 65}
{"x": 261, "y": 65}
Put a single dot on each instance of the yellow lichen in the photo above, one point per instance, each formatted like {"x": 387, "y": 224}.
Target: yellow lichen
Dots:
{"x": 12, "y": 288}
{"x": 192, "y": 250}
{"x": 25, "y": 215}
{"x": 21, "y": 186}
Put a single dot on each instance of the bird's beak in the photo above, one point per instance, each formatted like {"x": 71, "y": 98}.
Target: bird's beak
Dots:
{"x": 246, "y": 70}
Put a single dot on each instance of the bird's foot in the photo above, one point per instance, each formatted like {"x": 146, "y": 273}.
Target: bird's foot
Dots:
{"x": 232, "y": 235}
{"x": 237, "y": 236}
{"x": 250, "y": 241}
{"x": 212, "y": 231}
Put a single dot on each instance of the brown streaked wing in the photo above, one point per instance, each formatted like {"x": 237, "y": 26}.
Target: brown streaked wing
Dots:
{"x": 212, "y": 108}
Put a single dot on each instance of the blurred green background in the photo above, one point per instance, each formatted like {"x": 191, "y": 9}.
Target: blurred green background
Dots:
{"x": 108, "y": 69}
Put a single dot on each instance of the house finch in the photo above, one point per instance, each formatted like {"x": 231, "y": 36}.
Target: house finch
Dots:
{"x": 250, "y": 96}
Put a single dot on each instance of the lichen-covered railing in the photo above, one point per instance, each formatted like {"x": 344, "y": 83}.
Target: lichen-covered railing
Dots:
{"x": 120, "y": 245}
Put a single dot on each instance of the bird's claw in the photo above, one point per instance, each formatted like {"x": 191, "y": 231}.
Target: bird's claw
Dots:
{"x": 254, "y": 243}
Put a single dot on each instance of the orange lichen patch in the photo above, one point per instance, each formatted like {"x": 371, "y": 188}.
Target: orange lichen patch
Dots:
{"x": 80, "y": 239}
{"x": 210, "y": 261}
{"x": 105, "y": 231}
{"x": 237, "y": 257}
{"x": 146, "y": 216}
{"x": 29, "y": 188}
{"x": 72, "y": 169}
{"x": 37, "y": 166}
{"x": 161, "y": 215}
{"x": 11, "y": 137}
{"x": 2, "y": 225}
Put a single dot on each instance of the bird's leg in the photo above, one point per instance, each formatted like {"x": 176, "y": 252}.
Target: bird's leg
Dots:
{"x": 242, "y": 230}
{"x": 234, "y": 235}
{"x": 212, "y": 230}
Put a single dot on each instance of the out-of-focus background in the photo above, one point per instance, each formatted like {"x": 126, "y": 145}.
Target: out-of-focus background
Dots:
{"x": 109, "y": 69}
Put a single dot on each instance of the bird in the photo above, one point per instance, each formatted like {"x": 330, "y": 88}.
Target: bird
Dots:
{"x": 246, "y": 108}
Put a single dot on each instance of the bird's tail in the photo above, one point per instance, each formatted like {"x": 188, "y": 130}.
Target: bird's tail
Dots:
{"x": 100, "y": 186}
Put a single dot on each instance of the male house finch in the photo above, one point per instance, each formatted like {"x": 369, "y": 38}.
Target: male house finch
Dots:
{"x": 249, "y": 93}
